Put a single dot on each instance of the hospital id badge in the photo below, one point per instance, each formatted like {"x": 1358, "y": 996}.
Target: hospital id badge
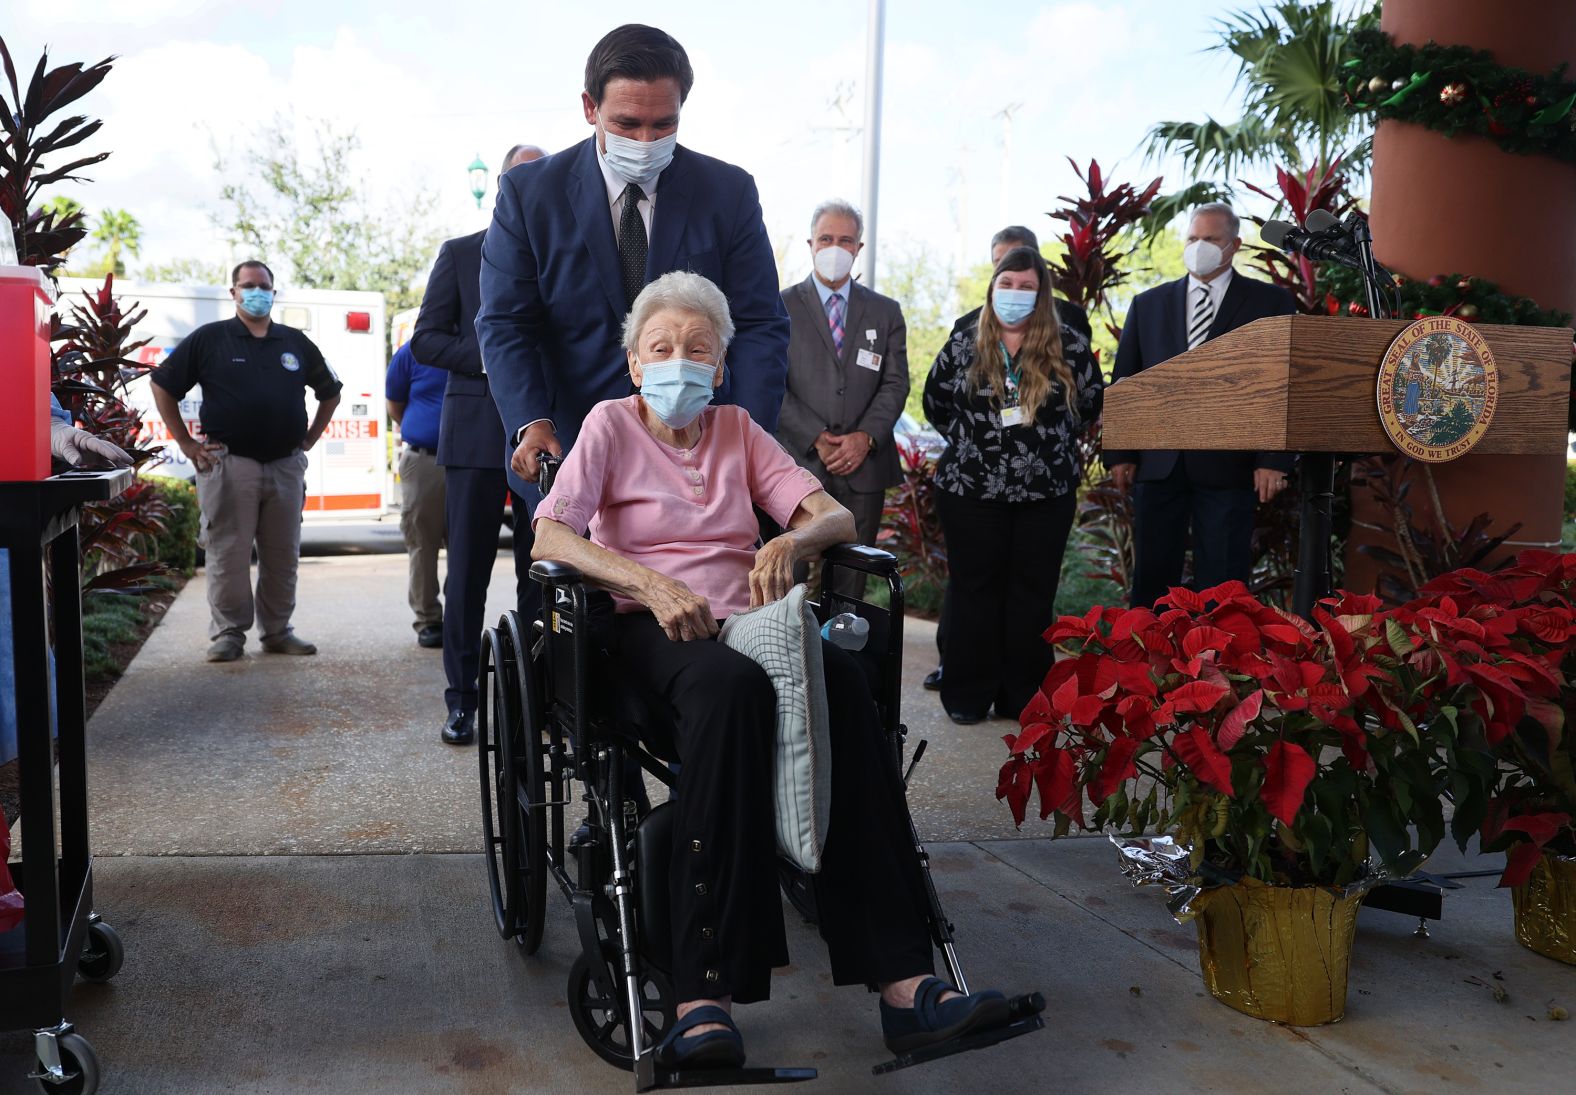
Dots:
{"x": 867, "y": 360}
{"x": 1011, "y": 416}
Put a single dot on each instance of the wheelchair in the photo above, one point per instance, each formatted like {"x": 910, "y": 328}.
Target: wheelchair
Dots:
{"x": 550, "y": 719}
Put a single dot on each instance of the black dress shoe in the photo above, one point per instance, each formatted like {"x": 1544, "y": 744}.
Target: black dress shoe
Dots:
{"x": 964, "y": 718}
{"x": 430, "y": 636}
{"x": 933, "y": 680}
{"x": 460, "y": 727}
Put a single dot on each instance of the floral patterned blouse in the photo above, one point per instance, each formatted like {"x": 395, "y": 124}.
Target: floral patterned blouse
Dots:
{"x": 989, "y": 462}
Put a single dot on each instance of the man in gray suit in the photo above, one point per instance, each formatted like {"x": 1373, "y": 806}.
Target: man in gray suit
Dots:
{"x": 847, "y": 375}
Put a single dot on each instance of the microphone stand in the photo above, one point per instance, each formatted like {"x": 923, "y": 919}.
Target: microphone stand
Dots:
{"x": 1314, "y": 577}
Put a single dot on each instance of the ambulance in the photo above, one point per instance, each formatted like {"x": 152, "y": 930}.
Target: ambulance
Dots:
{"x": 348, "y": 476}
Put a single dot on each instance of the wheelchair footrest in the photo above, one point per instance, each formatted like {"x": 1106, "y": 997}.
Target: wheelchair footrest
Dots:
{"x": 724, "y": 1077}
{"x": 1024, "y": 1012}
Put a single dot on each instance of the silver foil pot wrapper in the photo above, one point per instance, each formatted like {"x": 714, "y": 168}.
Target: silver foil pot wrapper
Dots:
{"x": 1161, "y": 861}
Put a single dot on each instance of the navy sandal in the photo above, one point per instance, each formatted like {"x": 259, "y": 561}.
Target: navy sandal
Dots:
{"x": 714, "y": 1049}
{"x": 931, "y": 1020}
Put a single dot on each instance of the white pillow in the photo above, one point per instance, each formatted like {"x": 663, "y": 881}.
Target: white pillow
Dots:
{"x": 785, "y": 640}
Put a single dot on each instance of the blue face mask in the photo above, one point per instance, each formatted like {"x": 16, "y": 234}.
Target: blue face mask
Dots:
{"x": 677, "y": 390}
{"x": 1013, "y": 305}
{"x": 257, "y": 303}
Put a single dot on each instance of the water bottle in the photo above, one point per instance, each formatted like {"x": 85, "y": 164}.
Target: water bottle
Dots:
{"x": 847, "y": 631}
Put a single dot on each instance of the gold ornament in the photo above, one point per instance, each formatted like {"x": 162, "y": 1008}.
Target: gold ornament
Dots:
{"x": 1397, "y": 84}
{"x": 1377, "y": 84}
{"x": 1467, "y": 311}
{"x": 1451, "y": 94}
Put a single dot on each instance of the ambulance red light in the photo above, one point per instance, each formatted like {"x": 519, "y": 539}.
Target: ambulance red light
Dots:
{"x": 358, "y": 321}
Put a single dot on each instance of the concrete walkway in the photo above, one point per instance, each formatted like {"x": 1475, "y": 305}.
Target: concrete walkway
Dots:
{"x": 255, "y": 825}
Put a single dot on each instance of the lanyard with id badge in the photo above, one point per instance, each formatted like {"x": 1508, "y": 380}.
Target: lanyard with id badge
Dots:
{"x": 1011, "y": 411}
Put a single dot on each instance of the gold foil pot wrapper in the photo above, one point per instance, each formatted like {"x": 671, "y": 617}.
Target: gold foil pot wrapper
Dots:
{"x": 1546, "y": 908}
{"x": 1279, "y": 953}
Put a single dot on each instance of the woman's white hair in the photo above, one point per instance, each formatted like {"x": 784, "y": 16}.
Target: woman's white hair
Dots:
{"x": 679, "y": 291}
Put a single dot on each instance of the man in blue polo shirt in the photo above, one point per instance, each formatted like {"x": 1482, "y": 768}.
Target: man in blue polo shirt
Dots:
{"x": 415, "y": 397}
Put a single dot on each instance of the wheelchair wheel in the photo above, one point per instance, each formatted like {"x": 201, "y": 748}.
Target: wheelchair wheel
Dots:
{"x": 528, "y": 809}
{"x": 600, "y": 1019}
{"x": 494, "y": 715}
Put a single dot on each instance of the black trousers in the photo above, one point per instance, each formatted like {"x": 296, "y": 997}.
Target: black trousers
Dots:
{"x": 1005, "y": 562}
{"x": 726, "y": 912}
{"x": 1221, "y": 520}
{"x": 474, "y": 511}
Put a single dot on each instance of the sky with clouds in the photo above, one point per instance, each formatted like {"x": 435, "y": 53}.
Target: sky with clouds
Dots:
{"x": 779, "y": 90}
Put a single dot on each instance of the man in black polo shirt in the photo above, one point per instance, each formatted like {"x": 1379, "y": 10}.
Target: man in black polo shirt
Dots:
{"x": 251, "y": 463}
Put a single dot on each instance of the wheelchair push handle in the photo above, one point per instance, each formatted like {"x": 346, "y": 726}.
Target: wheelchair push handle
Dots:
{"x": 546, "y": 471}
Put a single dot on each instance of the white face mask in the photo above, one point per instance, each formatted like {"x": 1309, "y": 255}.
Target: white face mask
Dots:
{"x": 638, "y": 162}
{"x": 1202, "y": 258}
{"x": 833, "y": 264}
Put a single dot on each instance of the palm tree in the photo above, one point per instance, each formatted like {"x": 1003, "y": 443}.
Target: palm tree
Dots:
{"x": 1289, "y": 68}
{"x": 118, "y": 231}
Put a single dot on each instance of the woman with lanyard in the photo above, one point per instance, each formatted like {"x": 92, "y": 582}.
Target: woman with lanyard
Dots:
{"x": 1010, "y": 396}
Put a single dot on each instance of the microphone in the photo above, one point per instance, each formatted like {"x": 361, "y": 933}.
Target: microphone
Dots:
{"x": 1322, "y": 245}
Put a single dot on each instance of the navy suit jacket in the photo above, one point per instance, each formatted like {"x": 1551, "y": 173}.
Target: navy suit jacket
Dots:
{"x": 552, "y": 299}
{"x": 470, "y": 433}
{"x": 1156, "y": 331}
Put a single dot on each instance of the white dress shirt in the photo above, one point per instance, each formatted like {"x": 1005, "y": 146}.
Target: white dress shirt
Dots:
{"x": 1216, "y": 287}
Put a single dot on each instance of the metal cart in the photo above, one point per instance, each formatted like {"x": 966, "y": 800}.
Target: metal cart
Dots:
{"x": 60, "y": 936}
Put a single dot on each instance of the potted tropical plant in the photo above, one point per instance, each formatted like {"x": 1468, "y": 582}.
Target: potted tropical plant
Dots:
{"x": 1240, "y": 732}
{"x": 1496, "y": 653}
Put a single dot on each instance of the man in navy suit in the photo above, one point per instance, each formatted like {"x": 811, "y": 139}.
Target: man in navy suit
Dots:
{"x": 575, "y": 237}
{"x": 473, "y": 452}
{"x": 1213, "y": 492}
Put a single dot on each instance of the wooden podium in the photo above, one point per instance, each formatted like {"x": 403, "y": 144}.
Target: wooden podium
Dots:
{"x": 1306, "y": 384}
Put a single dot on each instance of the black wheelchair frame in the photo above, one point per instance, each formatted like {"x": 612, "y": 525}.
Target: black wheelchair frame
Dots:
{"x": 545, "y": 721}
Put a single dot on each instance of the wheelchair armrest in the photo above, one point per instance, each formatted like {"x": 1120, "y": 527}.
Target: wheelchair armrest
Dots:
{"x": 859, "y": 557}
{"x": 551, "y": 572}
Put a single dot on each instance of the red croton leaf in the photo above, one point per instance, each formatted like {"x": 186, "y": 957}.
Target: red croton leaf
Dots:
{"x": 1287, "y": 772}
{"x": 1117, "y": 767}
{"x": 1234, "y": 725}
{"x": 1208, "y": 763}
{"x": 1196, "y": 696}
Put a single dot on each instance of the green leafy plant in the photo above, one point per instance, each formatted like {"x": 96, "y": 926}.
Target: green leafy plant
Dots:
{"x": 176, "y": 544}
{"x": 1291, "y": 59}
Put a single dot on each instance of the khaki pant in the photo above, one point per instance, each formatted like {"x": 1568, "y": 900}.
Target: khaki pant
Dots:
{"x": 246, "y": 502}
{"x": 423, "y": 497}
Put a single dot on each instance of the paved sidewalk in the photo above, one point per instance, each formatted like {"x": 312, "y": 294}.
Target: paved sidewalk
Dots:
{"x": 242, "y": 813}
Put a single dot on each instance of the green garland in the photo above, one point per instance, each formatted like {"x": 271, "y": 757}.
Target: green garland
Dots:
{"x": 1470, "y": 298}
{"x": 1456, "y": 89}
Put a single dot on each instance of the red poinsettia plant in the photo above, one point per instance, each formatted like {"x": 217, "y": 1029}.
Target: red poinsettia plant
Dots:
{"x": 1490, "y": 659}
{"x": 1236, "y": 728}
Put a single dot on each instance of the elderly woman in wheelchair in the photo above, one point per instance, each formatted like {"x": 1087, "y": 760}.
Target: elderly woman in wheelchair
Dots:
{"x": 667, "y": 486}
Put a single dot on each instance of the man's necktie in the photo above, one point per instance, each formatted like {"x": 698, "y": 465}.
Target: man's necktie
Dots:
{"x": 632, "y": 244}
{"x": 1203, "y": 316}
{"x": 834, "y": 319}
